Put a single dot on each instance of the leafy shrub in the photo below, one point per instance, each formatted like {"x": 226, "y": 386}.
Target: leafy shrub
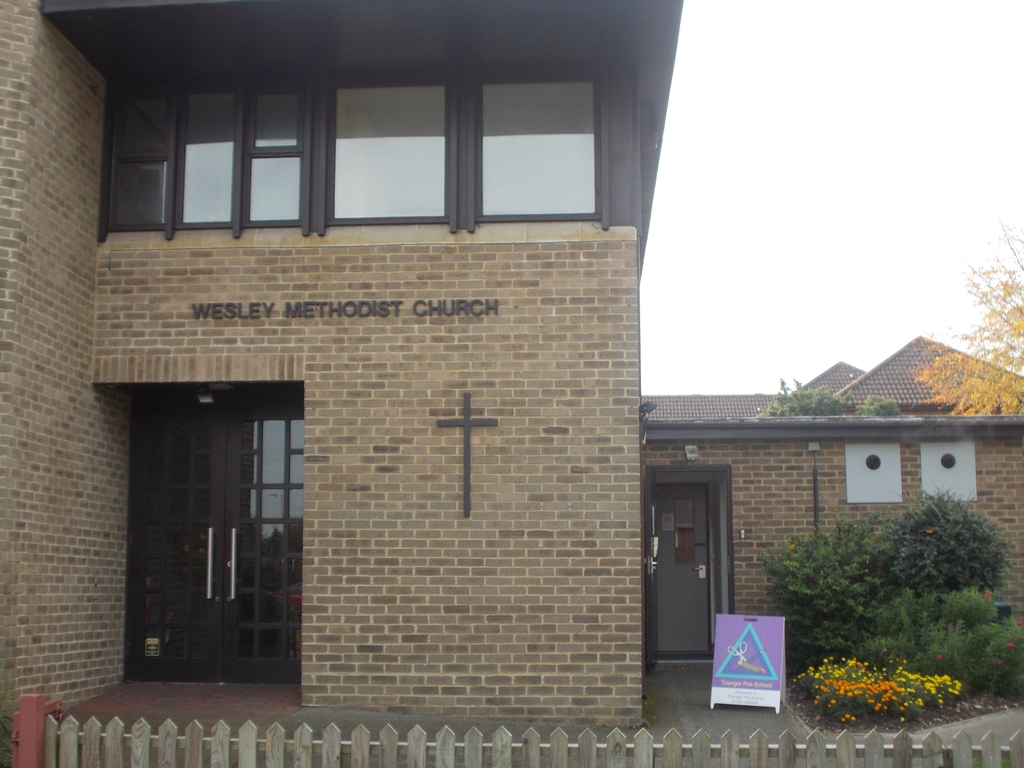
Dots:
{"x": 988, "y": 655}
{"x": 851, "y": 688}
{"x": 878, "y": 406}
{"x": 955, "y": 635}
{"x": 829, "y": 584}
{"x": 940, "y": 545}
{"x": 818, "y": 401}
{"x": 899, "y": 626}
{"x": 968, "y": 609}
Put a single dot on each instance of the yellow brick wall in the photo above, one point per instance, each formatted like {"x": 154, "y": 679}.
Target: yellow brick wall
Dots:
{"x": 62, "y": 442}
{"x": 530, "y": 608}
{"x": 773, "y": 497}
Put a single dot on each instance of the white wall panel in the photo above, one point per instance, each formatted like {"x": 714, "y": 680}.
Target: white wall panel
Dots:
{"x": 873, "y": 473}
{"x": 949, "y": 467}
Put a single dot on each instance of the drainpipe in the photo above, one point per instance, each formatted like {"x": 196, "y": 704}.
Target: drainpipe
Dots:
{"x": 814, "y": 448}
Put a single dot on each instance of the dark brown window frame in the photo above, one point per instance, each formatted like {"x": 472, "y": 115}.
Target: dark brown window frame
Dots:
{"x": 463, "y": 185}
{"x": 301, "y": 151}
{"x": 179, "y": 179}
{"x": 118, "y": 157}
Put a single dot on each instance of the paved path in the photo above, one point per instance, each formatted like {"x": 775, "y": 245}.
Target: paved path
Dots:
{"x": 1002, "y": 724}
{"x": 678, "y": 697}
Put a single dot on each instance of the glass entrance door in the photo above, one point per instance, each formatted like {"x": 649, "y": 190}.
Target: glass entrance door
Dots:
{"x": 215, "y": 541}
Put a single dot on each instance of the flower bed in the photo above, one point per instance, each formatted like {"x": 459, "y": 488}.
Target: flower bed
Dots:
{"x": 849, "y": 688}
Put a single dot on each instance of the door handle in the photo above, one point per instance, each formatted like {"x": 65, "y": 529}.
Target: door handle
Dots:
{"x": 209, "y": 563}
{"x": 702, "y": 571}
{"x": 231, "y": 563}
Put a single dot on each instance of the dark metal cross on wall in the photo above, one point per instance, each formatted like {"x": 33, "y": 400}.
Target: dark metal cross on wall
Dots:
{"x": 467, "y": 423}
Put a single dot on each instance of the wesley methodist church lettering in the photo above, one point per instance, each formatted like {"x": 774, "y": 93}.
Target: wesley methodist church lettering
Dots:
{"x": 261, "y": 310}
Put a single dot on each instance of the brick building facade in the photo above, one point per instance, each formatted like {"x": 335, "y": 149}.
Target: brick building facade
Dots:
{"x": 760, "y": 478}
{"x": 233, "y": 428}
{"x": 406, "y": 602}
{"x": 65, "y": 442}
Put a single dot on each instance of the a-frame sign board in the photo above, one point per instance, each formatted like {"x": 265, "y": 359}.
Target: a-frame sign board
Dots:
{"x": 750, "y": 661}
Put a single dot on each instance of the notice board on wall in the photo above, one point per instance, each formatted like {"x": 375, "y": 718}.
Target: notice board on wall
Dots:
{"x": 750, "y": 661}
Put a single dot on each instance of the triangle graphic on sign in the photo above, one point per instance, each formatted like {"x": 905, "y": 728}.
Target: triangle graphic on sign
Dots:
{"x": 746, "y": 659}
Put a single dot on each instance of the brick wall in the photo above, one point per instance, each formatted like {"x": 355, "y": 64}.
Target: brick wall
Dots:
{"x": 62, "y": 442}
{"x": 530, "y": 608}
{"x": 773, "y": 496}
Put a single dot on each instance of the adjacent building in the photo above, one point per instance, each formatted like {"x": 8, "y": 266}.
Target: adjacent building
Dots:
{"x": 724, "y": 485}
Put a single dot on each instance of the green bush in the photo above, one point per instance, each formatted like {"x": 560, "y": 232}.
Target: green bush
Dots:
{"x": 968, "y": 609}
{"x": 878, "y": 406}
{"x": 798, "y": 401}
{"x": 899, "y": 624}
{"x": 955, "y": 634}
{"x": 940, "y": 545}
{"x": 829, "y": 585}
{"x": 968, "y": 642}
{"x": 908, "y": 601}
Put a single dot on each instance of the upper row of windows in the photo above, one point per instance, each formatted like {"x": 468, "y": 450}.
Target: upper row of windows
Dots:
{"x": 221, "y": 159}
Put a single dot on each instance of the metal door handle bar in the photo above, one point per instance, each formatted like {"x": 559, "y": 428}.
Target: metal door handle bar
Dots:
{"x": 234, "y": 559}
{"x": 209, "y": 563}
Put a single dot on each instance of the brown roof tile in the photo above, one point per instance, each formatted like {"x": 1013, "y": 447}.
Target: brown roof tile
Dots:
{"x": 835, "y": 378}
{"x": 677, "y": 407}
{"x": 895, "y": 378}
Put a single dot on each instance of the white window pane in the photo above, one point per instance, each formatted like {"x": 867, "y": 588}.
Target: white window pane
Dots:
{"x": 538, "y": 149}
{"x": 273, "y": 452}
{"x": 295, "y": 502}
{"x": 208, "y": 178}
{"x": 209, "y": 158}
{"x": 295, "y": 468}
{"x": 273, "y": 502}
{"x": 390, "y": 148}
{"x": 274, "y": 190}
{"x": 392, "y": 176}
{"x": 298, "y": 434}
{"x": 539, "y": 174}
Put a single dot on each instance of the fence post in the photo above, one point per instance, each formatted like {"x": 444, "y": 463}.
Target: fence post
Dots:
{"x": 28, "y": 725}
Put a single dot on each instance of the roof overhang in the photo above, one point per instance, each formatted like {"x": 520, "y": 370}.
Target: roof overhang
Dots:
{"x": 189, "y": 39}
{"x": 818, "y": 428}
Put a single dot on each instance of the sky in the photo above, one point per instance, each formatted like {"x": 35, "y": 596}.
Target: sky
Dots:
{"x": 829, "y": 172}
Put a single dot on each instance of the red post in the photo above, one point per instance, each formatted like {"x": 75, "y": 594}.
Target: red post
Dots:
{"x": 29, "y": 721}
{"x": 28, "y": 730}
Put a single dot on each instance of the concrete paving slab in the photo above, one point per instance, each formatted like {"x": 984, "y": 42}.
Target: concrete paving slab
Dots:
{"x": 678, "y": 696}
{"x": 1003, "y": 724}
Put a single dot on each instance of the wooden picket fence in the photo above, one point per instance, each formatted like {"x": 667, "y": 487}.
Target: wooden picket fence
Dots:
{"x": 70, "y": 745}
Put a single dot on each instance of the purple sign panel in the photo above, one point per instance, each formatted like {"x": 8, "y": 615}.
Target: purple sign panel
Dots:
{"x": 750, "y": 661}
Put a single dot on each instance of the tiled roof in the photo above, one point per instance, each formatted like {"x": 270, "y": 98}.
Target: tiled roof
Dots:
{"x": 678, "y": 407}
{"x": 835, "y": 378}
{"x": 896, "y": 377}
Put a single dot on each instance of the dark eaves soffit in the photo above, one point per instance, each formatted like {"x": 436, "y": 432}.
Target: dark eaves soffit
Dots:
{"x": 120, "y": 36}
